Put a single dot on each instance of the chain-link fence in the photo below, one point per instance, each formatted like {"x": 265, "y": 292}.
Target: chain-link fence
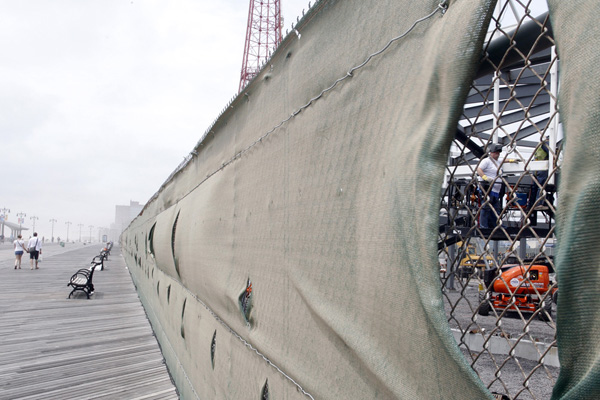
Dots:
{"x": 497, "y": 237}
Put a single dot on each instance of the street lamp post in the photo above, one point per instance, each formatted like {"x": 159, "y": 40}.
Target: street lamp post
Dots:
{"x": 68, "y": 223}
{"x": 33, "y": 218}
{"x": 80, "y": 226}
{"x": 21, "y": 219}
{"x": 53, "y": 221}
{"x": 91, "y": 227}
{"x": 3, "y": 212}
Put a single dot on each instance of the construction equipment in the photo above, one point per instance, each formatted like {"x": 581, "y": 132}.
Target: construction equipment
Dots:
{"x": 473, "y": 262}
{"x": 518, "y": 288}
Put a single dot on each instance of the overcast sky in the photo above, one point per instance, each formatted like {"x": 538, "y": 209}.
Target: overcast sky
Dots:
{"x": 102, "y": 99}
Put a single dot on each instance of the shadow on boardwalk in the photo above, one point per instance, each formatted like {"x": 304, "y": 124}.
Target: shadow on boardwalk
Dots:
{"x": 55, "y": 348}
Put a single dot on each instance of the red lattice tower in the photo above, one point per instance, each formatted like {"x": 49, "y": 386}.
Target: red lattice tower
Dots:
{"x": 263, "y": 34}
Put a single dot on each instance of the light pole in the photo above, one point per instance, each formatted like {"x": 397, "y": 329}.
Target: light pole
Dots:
{"x": 3, "y": 212}
{"x": 68, "y": 223}
{"x": 53, "y": 221}
{"x": 91, "y": 227}
{"x": 21, "y": 218}
{"x": 80, "y": 226}
{"x": 33, "y": 218}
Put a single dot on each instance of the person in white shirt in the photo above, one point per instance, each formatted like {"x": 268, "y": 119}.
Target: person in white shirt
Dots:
{"x": 489, "y": 170}
{"x": 35, "y": 249}
{"x": 19, "y": 245}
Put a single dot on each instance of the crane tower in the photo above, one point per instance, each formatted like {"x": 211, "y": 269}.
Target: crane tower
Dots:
{"x": 263, "y": 34}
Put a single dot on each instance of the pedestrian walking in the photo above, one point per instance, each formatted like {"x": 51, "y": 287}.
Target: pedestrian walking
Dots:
{"x": 35, "y": 249}
{"x": 19, "y": 245}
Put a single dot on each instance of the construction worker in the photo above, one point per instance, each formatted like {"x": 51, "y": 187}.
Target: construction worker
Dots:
{"x": 489, "y": 171}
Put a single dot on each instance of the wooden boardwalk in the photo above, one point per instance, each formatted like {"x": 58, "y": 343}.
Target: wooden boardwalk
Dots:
{"x": 54, "y": 348}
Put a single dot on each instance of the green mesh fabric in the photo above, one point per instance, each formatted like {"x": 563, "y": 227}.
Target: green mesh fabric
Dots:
{"x": 332, "y": 217}
{"x": 578, "y": 320}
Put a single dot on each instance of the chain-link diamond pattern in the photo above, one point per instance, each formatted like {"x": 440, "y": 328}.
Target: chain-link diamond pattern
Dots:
{"x": 498, "y": 280}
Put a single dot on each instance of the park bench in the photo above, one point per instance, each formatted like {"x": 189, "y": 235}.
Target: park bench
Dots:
{"x": 99, "y": 260}
{"x": 82, "y": 279}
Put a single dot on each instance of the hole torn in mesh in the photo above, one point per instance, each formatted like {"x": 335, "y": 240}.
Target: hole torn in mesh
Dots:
{"x": 245, "y": 301}
{"x": 213, "y": 347}
{"x": 265, "y": 391}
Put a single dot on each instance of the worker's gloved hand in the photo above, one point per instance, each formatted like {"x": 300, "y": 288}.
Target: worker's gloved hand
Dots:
{"x": 487, "y": 178}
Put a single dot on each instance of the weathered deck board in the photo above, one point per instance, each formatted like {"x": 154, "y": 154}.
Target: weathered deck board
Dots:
{"x": 55, "y": 348}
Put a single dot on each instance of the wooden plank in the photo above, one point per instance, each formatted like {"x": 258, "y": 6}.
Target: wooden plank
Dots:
{"x": 56, "y": 348}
